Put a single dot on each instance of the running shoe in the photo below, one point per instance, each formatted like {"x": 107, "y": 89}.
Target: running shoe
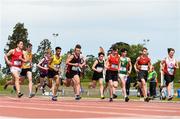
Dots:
{"x": 20, "y": 95}
{"x": 126, "y": 99}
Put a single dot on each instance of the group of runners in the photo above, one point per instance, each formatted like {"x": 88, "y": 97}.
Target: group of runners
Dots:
{"x": 114, "y": 69}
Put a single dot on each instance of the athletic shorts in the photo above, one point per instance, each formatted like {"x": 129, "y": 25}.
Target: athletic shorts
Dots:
{"x": 71, "y": 74}
{"x": 97, "y": 76}
{"x": 111, "y": 75}
{"x": 15, "y": 69}
{"x": 123, "y": 76}
{"x": 142, "y": 75}
{"x": 168, "y": 78}
{"x": 24, "y": 71}
{"x": 43, "y": 74}
{"x": 52, "y": 73}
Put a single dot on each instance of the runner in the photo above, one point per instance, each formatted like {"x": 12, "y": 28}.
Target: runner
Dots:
{"x": 98, "y": 68}
{"x": 125, "y": 71}
{"x": 112, "y": 66}
{"x": 169, "y": 66}
{"x": 152, "y": 77}
{"x": 53, "y": 72}
{"x": 43, "y": 68}
{"x": 15, "y": 64}
{"x": 27, "y": 68}
{"x": 72, "y": 74}
{"x": 142, "y": 66}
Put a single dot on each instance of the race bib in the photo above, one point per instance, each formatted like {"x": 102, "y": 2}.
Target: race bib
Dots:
{"x": 17, "y": 63}
{"x": 124, "y": 69}
{"x": 75, "y": 68}
{"x": 100, "y": 69}
{"x": 114, "y": 66}
{"x": 144, "y": 67}
{"x": 170, "y": 70}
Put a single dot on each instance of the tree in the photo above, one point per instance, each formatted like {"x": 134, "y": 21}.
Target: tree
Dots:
{"x": 19, "y": 33}
{"x": 44, "y": 45}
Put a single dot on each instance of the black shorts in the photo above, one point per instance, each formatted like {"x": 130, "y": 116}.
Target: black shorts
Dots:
{"x": 52, "y": 73}
{"x": 142, "y": 75}
{"x": 111, "y": 75}
{"x": 43, "y": 74}
{"x": 97, "y": 76}
{"x": 168, "y": 78}
{"x": 24, "y": 71}
{"x": 71, "y": 74}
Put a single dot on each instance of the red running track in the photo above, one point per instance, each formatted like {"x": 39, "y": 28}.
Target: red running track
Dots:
{"x": 42, "y": 107}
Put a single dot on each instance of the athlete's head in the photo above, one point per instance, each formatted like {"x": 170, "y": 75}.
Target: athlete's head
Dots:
{"x": 171, "y": 52}
{"x": 19, "y": 44}
{"x": 144, "y": 51}
{"x": 47, "y": 53}
{"x": 124, "y": 52}
{"x": 114, "y": 51}
{"x": 77, "y": 50}
{"x": 58, "y": 50}
{"x": 29, "y": 47}
{"x": 101, "y": 56}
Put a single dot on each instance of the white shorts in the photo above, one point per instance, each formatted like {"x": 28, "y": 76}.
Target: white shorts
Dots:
{"x": 15, "y": 69}
{"x": 123, "y": 76}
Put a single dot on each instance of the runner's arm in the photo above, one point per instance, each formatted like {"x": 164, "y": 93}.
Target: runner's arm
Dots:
{"x": 135, "y": 65}
{"x": 39, "y": 64}
{"x": 94, "y": 65}
{"x": 130, "y": 65}
{"x": 177, "y": 65}
{"x": 69, "y": 59}
{"x": 7, "y": 55}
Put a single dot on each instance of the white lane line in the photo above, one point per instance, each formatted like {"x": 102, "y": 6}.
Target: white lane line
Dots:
{"x": 96, "y": 106}
{"x": 113, "y": 104}
{"x": 69, "y": 111}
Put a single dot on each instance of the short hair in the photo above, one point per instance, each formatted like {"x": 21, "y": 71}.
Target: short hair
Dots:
{"x": 18, "y": 41}
{"x": 144, "y": 48}
{"x": 170, "y": 49}
{"x": 114, "y": 49}
{"x": 58, "y": 48}
{"x": 78, "y": 46}
{"x": 100, "y": 53}
{"x": 29, "y": 45}
{"x": 123, "y": 50}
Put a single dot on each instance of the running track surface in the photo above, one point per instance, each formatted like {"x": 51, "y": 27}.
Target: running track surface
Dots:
{"x": 43, "y": 107}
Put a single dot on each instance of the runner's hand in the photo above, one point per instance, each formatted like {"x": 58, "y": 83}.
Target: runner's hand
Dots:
{"x": 9, "y": 63}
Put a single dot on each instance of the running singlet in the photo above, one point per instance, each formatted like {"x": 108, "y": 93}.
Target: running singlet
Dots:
{"x": 55, "y": 64}
{"x": 114, "y": 62}
{"x": 74, "y": 68}
{"x": 143, "y": 62}
{"x": 15, "y": 59}
{"x": 170, "y": 66}
{"x": 100, "y": 65}
{"x": 124, "y": 65}
{"x": 28, "y": 56}
{"x": 44, "y": 63}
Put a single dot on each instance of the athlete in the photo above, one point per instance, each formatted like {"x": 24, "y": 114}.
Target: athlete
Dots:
{"x": 73, "y": 63}
{"x": 125, "y": 71}
{"x": 43, "y": 70}
{"x": 98, "y": 68}
{"x": 169, "y": 66}
{"x": 54, "y": 70}
{"x": 142, "y": 66}
{"x": 15, "y": 65}
{"x": 112, "y": 67}
{"x": 27, "y": 68}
